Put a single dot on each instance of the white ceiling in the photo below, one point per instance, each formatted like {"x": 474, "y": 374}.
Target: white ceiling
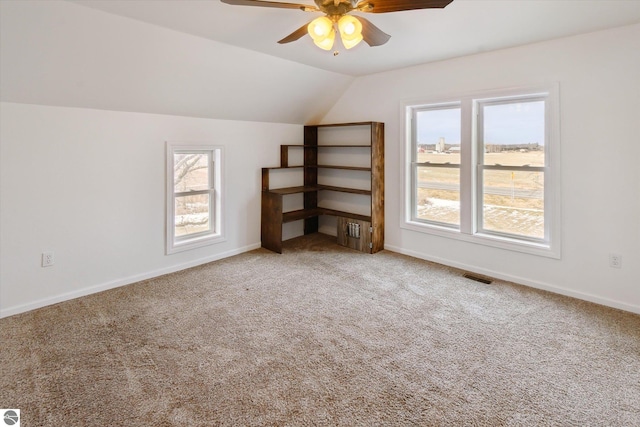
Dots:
{"x": 464, "y": 27}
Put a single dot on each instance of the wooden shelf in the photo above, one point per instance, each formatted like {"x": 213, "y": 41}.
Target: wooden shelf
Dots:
{"x": 344, "y": 190}
{"x": 284, "y": 167}
{"x": 313, "y": 212}
{"x": 333, "y": 212}
{"x": 347, "y": 168}
{"x": 328, "y": 146}
{"x": 300, "y": 214}
{"x": 335, "y": 125}
{"x": 294, "y": 190}
{"x": 353, "y": 168}
{"x": 311, "y": 188}
{"x": 370, "y": 235}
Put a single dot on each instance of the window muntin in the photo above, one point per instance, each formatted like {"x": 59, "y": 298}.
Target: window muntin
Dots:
{"x": 193, "y": 196}
{"x": 436, "y": 165}
{"x": 493, "y": 188}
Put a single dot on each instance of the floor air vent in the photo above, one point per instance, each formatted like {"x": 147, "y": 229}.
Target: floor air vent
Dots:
{"x": 477, "y": 278}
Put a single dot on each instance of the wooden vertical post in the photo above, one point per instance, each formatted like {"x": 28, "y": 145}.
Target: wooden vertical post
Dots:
{"x": 271, "y": 223}
{"x": 265, "y": 179}
{"x": 311, "y": 176}
{"x": 377, "y": 186}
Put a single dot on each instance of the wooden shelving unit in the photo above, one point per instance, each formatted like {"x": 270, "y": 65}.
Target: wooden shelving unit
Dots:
{"x": 361, "y": 232}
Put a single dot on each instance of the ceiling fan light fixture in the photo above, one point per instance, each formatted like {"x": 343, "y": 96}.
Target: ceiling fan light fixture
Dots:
{"x": 322, "y": 32}
{"x": 326, "y": 43}
{"x": 350, "y": 31}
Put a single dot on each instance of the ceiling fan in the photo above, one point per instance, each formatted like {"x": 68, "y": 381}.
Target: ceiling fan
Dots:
{"x": 352, "y": 29}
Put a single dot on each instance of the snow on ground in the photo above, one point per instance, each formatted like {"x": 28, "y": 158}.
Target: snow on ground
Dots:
{"x": 526, "y": 222}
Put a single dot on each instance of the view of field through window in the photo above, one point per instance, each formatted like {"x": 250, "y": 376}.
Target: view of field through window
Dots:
{"x": 511, "y": 197}
{"x": 513, "y": 200}
{"x": 513, "y": 141}
{"x": 437, "y": 184}
{"x": 192, "y": 181}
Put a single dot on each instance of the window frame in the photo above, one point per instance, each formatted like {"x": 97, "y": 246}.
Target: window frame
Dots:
{"x": 470, "y": 157}
{"x": 215, "y": 154}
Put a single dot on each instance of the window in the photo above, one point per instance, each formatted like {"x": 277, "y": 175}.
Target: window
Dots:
{"x": 511, "y": 142}
{"x": 194, "y": 196}
{"x": 436, "y": 165}
{"x": 479, "y": 168}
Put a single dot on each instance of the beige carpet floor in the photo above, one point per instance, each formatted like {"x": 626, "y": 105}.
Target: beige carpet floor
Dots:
{"x": 322, "y": 335}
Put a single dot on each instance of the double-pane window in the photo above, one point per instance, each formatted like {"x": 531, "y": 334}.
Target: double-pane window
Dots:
{"x": 479, "y": 169}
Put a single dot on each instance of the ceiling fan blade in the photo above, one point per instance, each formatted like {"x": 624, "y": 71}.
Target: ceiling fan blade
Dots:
{"x": 371, "y": 34}
{"x": 384, "y": 6}
{"x": 260, "y": 3}
{"x": 295, "y": 35}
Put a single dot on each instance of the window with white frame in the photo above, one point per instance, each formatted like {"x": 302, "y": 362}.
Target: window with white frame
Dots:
{"x": 436, "y": 164}
{"x": 484, "y": 169}
{"x": 194, "y": 196}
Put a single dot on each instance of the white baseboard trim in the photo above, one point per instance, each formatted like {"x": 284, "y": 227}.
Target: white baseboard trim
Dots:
{"x": 519, "y": 280}
{"x": 121, "y": 282}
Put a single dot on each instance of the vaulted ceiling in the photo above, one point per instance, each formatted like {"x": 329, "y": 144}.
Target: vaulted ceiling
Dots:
{"x": 204, "y": 58}
{"x": 464, "y": 27}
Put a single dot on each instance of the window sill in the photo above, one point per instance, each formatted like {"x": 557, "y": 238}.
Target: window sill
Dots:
{"x": 194, "y": 243}
{"x": 500, "y": 242}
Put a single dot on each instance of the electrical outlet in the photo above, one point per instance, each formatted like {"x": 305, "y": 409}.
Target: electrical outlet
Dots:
{"x": 615, "y": 261}
{"x": 47, "y": 259}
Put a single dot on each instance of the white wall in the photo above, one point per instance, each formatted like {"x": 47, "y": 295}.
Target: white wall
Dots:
{"x": 598, "y": 74}
{"x": 89, "y": 185}
{"x": 59, "y": 53}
